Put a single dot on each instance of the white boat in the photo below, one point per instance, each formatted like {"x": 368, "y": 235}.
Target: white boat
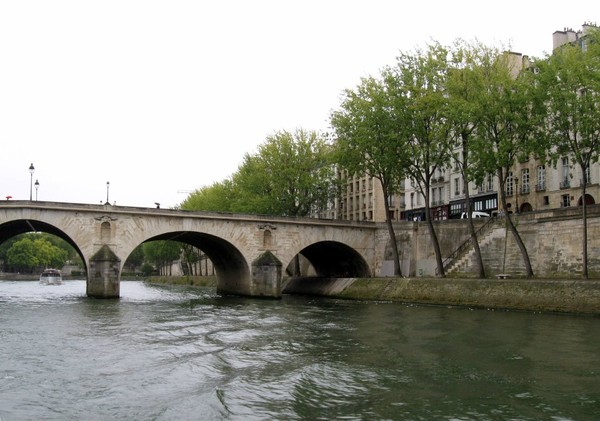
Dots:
{"x": 51, "y": 277}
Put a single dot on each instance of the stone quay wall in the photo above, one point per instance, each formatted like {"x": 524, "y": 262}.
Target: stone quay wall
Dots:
{"x": 543, "y": 295}
{"x": 553, "y": 238}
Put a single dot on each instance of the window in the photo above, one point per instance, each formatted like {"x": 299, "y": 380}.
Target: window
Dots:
{"x": 491, "y": 204}
{"x": 456, "y": 187}
{"x": 546, "y": 200}
{"x": 490, "y": 182}
{"x": 456, "y": 209}
{"x": 541, "y": 178}
{"x": 412, "y": 200}
{"x": 587, "y": 176}
{"x": 525, "y": 180}
{"x": 565, "y": 181}
{"x": 509, "y": 184}
{"x": 565, "y": 201}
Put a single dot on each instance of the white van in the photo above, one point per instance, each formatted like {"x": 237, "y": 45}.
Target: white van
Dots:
{"x": 475, "y": 215}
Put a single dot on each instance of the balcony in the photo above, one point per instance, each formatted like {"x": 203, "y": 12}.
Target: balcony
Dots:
{"x": 565, "y": 183}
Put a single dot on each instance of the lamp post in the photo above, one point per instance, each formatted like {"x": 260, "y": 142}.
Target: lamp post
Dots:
{"x": 31, "y": 171}
{"x": 37, "y": 186}
{"x": 107, "y": 185}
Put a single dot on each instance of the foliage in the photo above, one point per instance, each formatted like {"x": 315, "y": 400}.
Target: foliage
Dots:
{"x": 33, "y": 252}
{"x": 162, "y": 254}
{"x": 569, "y": 83}
{"x": 218, "y": 197}
{"x": 371, "y": 140}
{"x": 135, "y": 258}
{"x": 290, "y": 175}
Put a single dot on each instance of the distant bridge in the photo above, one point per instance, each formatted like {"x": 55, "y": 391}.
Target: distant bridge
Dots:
{"x": 250, "y": 253}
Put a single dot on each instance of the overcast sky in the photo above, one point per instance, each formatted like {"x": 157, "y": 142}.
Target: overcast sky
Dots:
{"x": 163, "y": 97}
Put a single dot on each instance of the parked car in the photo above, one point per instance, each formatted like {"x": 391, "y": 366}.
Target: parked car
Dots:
{"x": 475, "y": 215}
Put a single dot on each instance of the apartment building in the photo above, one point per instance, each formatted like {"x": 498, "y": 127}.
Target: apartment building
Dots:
{"x": 531, "y": 185}
{"x": 361, "y": 199}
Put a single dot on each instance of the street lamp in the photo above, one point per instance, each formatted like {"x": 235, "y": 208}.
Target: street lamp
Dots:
{"x": 37, "y": 186}
{"x": 31, "y": 171}
{"x": 107, "y": 185}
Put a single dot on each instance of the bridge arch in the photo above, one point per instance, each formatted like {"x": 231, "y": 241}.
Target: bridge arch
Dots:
{"x": 231, "y": 268}
{"x": 334, "y": 259}
{"x": 21, "y": 226}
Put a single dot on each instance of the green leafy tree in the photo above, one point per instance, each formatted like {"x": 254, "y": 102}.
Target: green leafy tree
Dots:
{"x": 507, "y": 125}
{"x": 162, "y": 254}
{"x": 218, "y": 197}
{"x": 135, "y": 258}
{"x": 290, "y": 175}
{"x": 569, "y": 80}
{"x": 421, "y": 100}
{"x": 463, "y": 115}
{"x": 33, "y": 253}
{"x": 371, "y": 140}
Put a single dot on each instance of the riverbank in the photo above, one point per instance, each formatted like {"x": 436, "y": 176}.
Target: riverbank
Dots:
{"x": 570, "y": 296}
{"x": 197, "y": 281}
{"x": 565, "y": 296}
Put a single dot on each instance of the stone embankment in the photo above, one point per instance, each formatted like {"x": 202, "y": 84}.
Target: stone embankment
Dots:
{"x": 566, "y": 296}
{"x": 571, "y": 296}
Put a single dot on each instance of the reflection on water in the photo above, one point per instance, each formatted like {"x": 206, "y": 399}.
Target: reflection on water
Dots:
{"x": 164, "y": 353}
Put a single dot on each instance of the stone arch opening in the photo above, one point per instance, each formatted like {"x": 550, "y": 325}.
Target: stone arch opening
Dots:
{"x": 230, "y": 266}
{"x": 589, "y": 200}
{"x": 21, "y": 226}
{"x": 526, "y": 207}
{"x": 331, "y": 259}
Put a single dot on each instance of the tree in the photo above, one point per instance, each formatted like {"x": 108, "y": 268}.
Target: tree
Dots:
{"x": 420, "y": 102}
{"x": 162, "y": 254}
{"x": 463, "y": 114}
{"x": 33, "y": 252}
{"x": 371, "y": 140}
{"x": 569, "y": 79}
{"x": 135, "y": 259}
{"x": 215, "y": 198}
{"x": 507, "y": 125}
{"x": 290, "y": 175}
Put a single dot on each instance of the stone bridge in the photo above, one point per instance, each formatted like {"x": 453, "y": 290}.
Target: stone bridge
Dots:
{"x": 250, "y": 253}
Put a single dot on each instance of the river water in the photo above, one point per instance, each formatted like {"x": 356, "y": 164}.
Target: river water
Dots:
{"x": 177, "y": 353}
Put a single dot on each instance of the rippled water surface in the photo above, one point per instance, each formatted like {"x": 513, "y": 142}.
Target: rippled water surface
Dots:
{"x": 175, "y": 353}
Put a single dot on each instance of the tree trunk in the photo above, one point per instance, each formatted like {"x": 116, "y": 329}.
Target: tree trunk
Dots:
{"x": 469, "y": 210}
{"x": 584, "y": 218}
{"x": 390, "y": 227}
{"x": 436, "y": 244}
{"x": 474, "y": 240}
{"x": 511, "y": 226}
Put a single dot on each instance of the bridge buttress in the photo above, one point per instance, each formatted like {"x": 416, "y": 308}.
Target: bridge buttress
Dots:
{"x": 103, "y": 274}
{"x": 266, "y": 276}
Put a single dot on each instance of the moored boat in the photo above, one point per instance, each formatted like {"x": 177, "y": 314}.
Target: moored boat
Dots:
{"x": 51, "y": 277}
